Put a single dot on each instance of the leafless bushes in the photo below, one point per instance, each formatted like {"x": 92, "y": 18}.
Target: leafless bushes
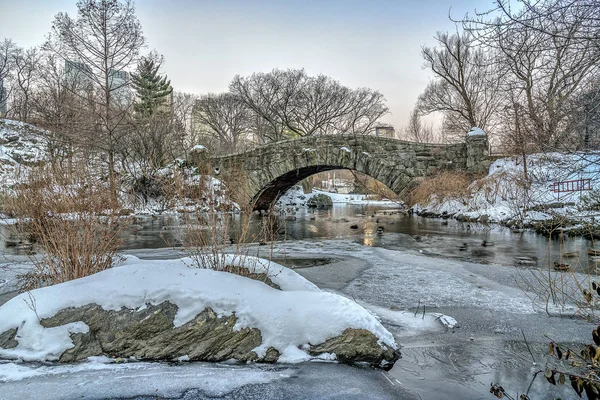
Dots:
{"x": 67, "y": 216}
{"x": 216, "y": 229}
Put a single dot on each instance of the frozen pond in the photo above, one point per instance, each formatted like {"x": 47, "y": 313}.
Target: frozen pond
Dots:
{"x": 392, "y": 274}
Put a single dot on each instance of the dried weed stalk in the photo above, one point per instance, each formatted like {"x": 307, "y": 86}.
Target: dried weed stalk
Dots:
{"x": 216, "y": 232}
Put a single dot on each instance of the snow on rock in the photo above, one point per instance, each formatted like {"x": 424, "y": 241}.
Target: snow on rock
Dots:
{"x": 21, "y": 145}
{"x": 446, "y": 320}
{"x": 476, "y": 132}
{"x": 198, "y": 147}
{"x": 289, "y": 320}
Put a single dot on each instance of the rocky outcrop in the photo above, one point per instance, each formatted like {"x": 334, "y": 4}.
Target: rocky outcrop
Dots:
{"x": 150, "y": 334}
{"x": 7, "y": 339}
{"x": 358, "y": 345}
{"x": 320, "y": 201}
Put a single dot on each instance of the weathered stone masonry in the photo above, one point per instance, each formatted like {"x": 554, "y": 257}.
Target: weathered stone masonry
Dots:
{"x": 268, "y": 171}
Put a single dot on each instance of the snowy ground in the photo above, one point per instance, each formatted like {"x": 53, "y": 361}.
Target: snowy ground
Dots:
{"x": 296, "y": 197}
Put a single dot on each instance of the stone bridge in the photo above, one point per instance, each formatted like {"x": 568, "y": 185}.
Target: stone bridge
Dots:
{"x": 265, "y": 173}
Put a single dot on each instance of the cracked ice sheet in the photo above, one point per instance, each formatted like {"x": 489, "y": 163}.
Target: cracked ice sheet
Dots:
{"x": 94, "y": 379}
{"x": 400, "y": 278}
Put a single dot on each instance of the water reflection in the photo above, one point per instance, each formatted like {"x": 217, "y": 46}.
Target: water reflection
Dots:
{"x": 446, "y": 238}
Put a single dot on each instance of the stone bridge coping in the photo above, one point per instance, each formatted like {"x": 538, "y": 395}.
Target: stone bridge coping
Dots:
{"x": 338, "y": 139}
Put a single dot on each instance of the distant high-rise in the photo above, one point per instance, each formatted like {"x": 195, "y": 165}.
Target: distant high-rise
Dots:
{"x": 81, "y": 74}
{"x": 119, "y": 86}
{"x": 78, "y": 73}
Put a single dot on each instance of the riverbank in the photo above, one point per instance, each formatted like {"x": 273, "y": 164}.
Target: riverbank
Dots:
{"x": 555, "y": 192}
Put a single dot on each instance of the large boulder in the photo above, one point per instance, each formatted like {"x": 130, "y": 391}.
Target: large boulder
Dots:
{"x": 319, "y": 201}
{"x": 150, "y": 334}
{"x": 165, "y": 310}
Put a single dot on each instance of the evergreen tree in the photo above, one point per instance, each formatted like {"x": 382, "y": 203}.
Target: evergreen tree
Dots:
{"x": 152, "y": 89}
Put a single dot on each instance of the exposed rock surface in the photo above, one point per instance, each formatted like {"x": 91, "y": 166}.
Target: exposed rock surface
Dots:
{"x": 149, "y": 333}
{"x": 358, "y": 345}
{"x": 320, "y": 201}
{"x": 7, "y": 339}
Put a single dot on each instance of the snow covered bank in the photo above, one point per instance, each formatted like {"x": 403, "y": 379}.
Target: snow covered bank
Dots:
{"x": 293, "y": 321}
{"x": 21, "y": 146}
{"x": 296, "y": 197}
{"x": 508, "y": 195}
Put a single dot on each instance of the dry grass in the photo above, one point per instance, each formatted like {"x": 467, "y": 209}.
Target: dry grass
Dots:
{"x": 444, "y": 185}
{"x": 68, "y": 219}
{"x": 372, "y": 186}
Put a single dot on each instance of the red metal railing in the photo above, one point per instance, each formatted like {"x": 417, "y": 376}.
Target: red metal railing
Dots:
{"x": 572, "y": 186}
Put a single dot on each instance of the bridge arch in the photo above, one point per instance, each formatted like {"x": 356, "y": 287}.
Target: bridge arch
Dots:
{"x": 266, "y": 172}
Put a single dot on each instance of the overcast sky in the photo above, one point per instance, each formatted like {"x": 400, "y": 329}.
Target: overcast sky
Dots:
{"x": 369, "y": 43}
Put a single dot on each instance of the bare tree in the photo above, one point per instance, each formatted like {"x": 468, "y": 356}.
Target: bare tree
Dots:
{"x": 56, "y": 108}
{"x": 224, "y": 120}
{"x": 465, "y": 85}
{"x": 183, "y": 106}
{"x": 100, "y": 45}
{"x": 293, "y": 104}
{"x": 26, "y": 68}
{"x": 548, "y": 51}
{"x": 417, "y": 130}
{"x": 7, "y": 49}
{"x": 582, "y": 14}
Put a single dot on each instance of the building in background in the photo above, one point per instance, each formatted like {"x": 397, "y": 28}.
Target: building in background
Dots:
{"x": 119, "y": 84}
{"x": 385, "y": 131}
{"x": 78, "y": 73}
{"x": 81, "y": 76}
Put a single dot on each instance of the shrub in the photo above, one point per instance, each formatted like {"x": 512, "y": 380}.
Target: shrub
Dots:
{"x": 66, "y": 215}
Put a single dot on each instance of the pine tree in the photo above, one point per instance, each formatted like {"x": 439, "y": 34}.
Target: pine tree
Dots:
{"x": 152, "y": 89}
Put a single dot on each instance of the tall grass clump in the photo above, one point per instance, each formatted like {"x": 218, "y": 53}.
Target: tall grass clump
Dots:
{"x": 66, "y": 215}
{"x": 445, "y": 185}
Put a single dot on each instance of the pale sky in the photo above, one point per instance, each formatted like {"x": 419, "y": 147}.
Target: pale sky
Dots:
{"x": 368, "y": 43}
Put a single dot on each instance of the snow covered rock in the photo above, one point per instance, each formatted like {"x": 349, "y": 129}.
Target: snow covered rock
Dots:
{"x": 320, "y": 201}
{"x": 21, "y": 146}
{"x": 165, "y": 310}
